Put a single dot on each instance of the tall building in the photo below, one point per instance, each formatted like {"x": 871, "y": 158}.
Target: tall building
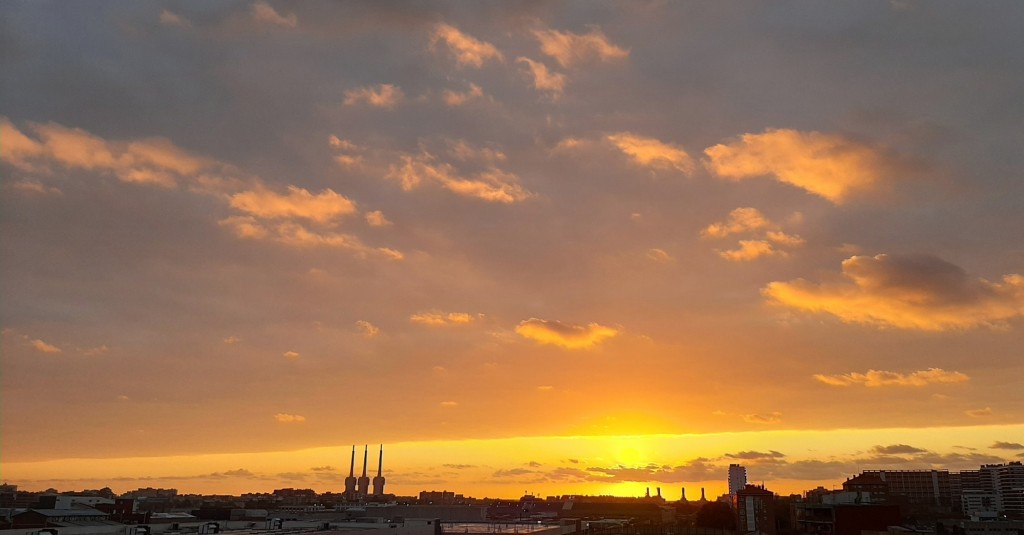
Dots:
{"x": 363, "y": 483}
{"x": 737, "y": 478}
{"x": 378, "y": 482}
{"x": 994, "y": 488}
{"x": 755, "y": 509}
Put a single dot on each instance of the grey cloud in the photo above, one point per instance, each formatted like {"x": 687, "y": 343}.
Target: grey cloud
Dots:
{"x": 897, "y": 448}
{"x": 1000, "y": 445}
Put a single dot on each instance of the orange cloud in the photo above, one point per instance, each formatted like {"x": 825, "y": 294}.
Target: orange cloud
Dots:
{"x": 376, "y": 219}
{"x": 468, "y": 50}
{"x": 264, "y": 13}
{"x": 436, "y": 318}
{"x": 565, "y": 335}
{"x": 659, "y": 255}
{"x": 828, "y": 165}
{"x": 154, "y": 161}
{"x": 877, "y": 378}
{"x": 455, "y": 98}
{"x": 385, "y": 96}
{"x": 289, "y": 418}
{"x": 296, "y": 235}
{"x": 751, "y": 250}
{"x": 291, "y": 355}
{"x": 979, "y": 413}
{"x": 740, "y": 220}
{"x": 44, "y": 347}
{"x": 650, "y": 152}
{"x": 543, "y": 78}
{"x": 369, "y": 330}
{"x": 906, "y": 291}
{"x": 569, "y": 48}
{"x": 492, "y": 184}
{"x": 298, "y": 203}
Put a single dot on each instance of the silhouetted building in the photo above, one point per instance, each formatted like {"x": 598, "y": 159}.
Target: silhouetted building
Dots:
{"x": 737, "y": 478}
{"x": 844, "y": 518}
{"x": 755, "y": 509}
{"x": 919, "y": 487}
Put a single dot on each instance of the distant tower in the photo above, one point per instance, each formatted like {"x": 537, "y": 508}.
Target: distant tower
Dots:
{"x": 363, "y": 484}
{"x": 702, "y": 497}
{"x": 683, "y": 498}
{"x": 737, "y": 478}
{"x": 350, "y": 481}
{"x": 378, "y": 482}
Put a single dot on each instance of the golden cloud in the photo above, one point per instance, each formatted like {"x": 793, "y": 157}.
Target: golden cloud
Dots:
{"x": 740, "y": 220}
{"x": 291, "y": 355}
{"x": 289, "y": 418}
{"x": 468, "y": 50}
{"x": 369, "y": 330}
{"x": 543, "y": 78}
{"x": 492, "y": 184}
{"x": 565, "y": 335}
{"x": 44, "y": 347}
{"x": 906, "y": 291}
{"x": 154, "y": 161}
{"x": 264, "y": 13}
{"x": 376, "y": 219}
{"x": 437, "y": 318}
{"x": 296, "y": 235}
{"x": 877, "y": 378}
{"x": 298, "y": 203}
{"x": 979, "y": 413}
{"x": 751, "y": 250}
{"x": 828, "y": 165}
{"x": 650, "y": 152}
{"x": 569, "y": 48}
{"x": 385, "y": 96}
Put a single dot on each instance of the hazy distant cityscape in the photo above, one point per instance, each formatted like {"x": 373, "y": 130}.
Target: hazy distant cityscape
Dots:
{"x": 985, "y": 501}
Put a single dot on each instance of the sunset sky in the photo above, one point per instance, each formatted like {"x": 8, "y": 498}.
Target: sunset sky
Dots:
{"x": 577, "y": 247}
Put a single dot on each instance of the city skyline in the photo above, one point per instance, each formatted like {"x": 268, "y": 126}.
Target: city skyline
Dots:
{"x": 594, "y": 247}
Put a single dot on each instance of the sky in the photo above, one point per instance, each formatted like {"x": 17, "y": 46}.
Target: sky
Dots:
{"x": 546, "y": 247}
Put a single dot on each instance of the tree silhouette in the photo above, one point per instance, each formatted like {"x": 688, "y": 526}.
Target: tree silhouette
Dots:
{"x": 716, "y": 515}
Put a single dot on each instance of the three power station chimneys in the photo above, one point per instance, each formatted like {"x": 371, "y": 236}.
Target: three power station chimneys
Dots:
{"x": 357, "y": 489}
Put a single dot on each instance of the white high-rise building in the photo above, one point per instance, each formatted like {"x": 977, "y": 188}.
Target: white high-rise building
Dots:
{"x": 737, "y": 478}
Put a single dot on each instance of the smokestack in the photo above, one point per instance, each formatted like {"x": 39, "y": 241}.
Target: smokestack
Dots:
{"x": 683, "y": 498}
{"x": 350, "y": 481}
{"x": 702, "y": 498}
{"x": 363, "y": 483}
{"x": 659, "y": 492}
{"x": 366, "y": 450}
{"x": 378, "y": 482}
{"x": 648, "y": 492}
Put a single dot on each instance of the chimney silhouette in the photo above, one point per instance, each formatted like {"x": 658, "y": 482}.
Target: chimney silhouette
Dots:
{"x": 363, "y": 483}
{"x": 350, "y": 481}
{"x": 378, "y": 482}
{"x": 683, "y": 498}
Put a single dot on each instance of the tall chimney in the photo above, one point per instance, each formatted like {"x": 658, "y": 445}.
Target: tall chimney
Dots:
{"x": 378, "y": 482}
{"x": 363, "y": 483}
{"x": 350, "y": 481}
